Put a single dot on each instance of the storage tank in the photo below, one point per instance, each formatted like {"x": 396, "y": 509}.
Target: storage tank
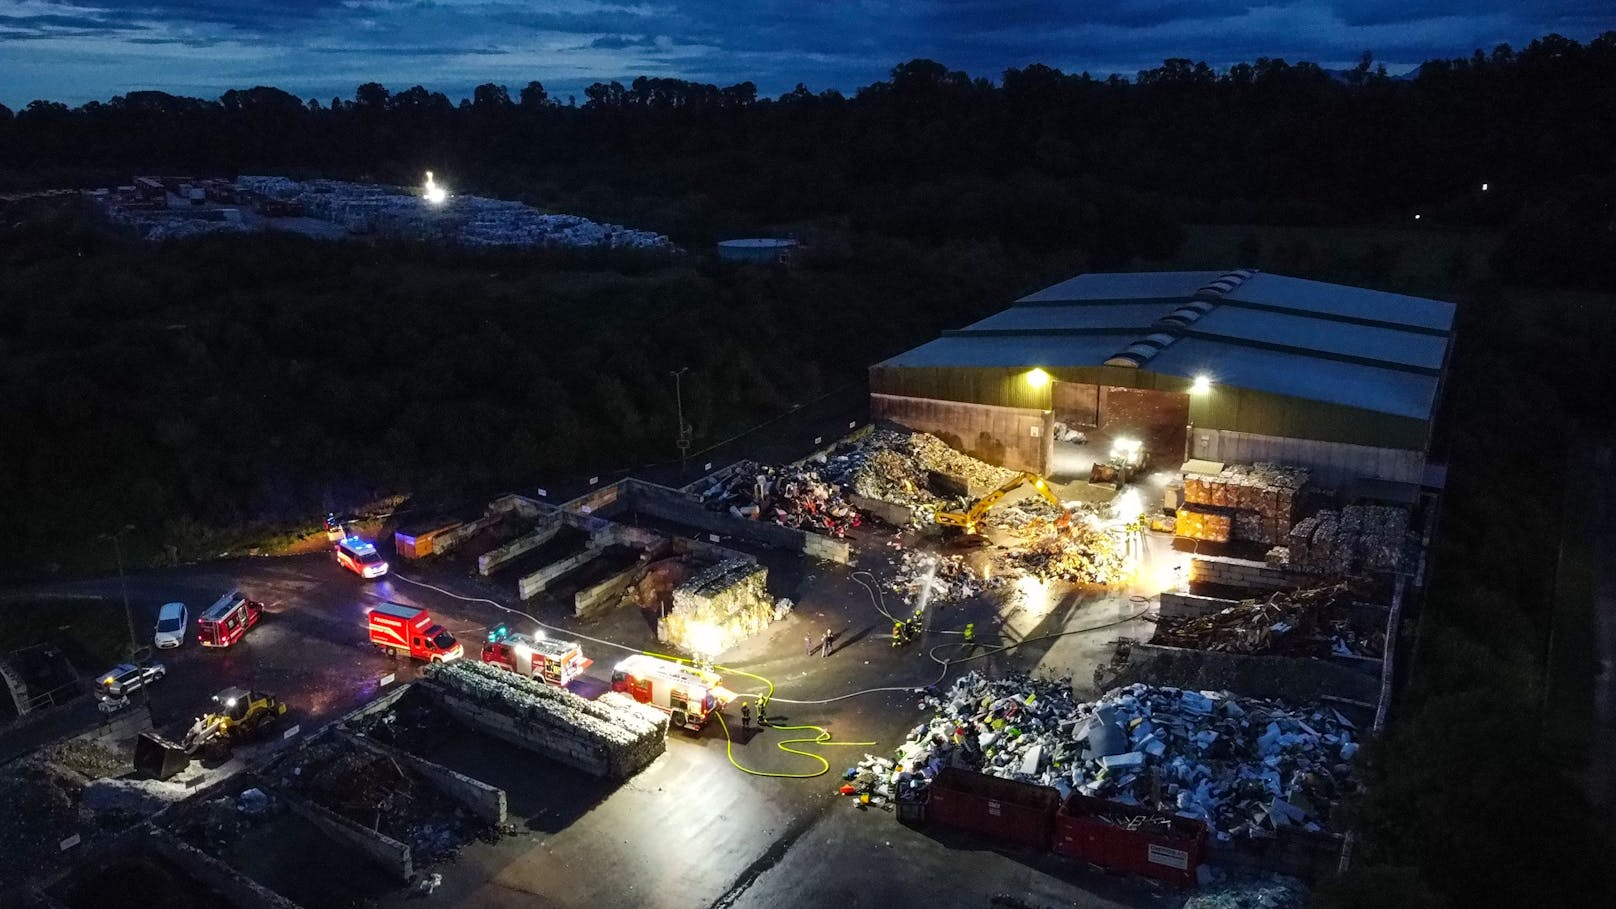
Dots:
{"x": 756, "y": 249}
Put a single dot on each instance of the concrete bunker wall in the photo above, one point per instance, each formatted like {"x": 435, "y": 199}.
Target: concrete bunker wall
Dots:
{"x": 485, "y": 801}
{"x": 1012, "y": 437}
{"x": 389, "y": 854}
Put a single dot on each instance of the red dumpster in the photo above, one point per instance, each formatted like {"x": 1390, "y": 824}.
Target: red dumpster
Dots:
{"x": 1003, "y": 809}
{"x": 1130, "y": 839}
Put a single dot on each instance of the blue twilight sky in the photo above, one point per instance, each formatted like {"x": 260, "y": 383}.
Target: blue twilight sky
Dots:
{"x": 77, "y": 50}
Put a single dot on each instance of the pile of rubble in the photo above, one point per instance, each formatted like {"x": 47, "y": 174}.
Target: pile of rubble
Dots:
{"x": 377, "y": 792}
{"x": 1082, "y": 554}
{"x": 468, "y": 220}
{"x": 1356, "y": 539}
{"x": 717, "y": 607}
{"x": 910, "y": 468}
{"x": 42, "y": 809}
{"x": 1316, "y": 622}
{"x": 1245, "y": 766}
{"x": 937, "y": 580}
{"x": 789, "y": 496}
{"x": 1255, "y": 502}
{"x": 629, "y": 738}
{"x": 1268, "y": 891}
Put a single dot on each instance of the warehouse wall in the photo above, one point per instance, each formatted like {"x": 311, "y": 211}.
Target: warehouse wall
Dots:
{"x": 1225, "y": 407}
{"x": 1332, "y": 463}
{"x": 1008, "y": 436}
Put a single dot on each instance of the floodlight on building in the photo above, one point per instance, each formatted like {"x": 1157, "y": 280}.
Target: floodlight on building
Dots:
{"x": 1037, "y": 378}
{"x": 1201, "y": 385}
{"x": 1483, "y": 187}
{"x": 1416, "y": 217}
{"x": 432, "y": 192}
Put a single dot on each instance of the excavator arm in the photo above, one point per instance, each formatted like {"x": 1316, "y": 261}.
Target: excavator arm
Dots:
{"x": 971, "y": 518}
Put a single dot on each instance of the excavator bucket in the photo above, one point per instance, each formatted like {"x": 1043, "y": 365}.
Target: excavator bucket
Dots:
{"x": 158, "y": 757}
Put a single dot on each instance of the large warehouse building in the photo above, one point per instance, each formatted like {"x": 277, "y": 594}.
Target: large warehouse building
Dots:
{"x": 1223, "y": 366}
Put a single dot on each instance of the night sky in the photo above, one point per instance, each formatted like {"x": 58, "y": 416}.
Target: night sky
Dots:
{"x": 77, "y": 50}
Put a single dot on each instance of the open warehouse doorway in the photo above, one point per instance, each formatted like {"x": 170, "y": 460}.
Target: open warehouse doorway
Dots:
{"x": 1089, "y": 419}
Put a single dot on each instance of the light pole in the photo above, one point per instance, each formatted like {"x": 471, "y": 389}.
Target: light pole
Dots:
{"x": 683, "y": 440}
{"x": 128, "y": 613}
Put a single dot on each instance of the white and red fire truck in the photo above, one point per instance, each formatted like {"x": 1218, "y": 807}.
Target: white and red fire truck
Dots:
{"x": 536, "y": 656}
{"x": 360, "y": 557}
{"x": 227, "y": 620}
{"x": 409, "y": 631}
{"x": 690, "y": 695}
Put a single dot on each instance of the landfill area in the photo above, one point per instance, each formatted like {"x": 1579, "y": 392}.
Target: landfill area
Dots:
{"x": 365, "y": 208}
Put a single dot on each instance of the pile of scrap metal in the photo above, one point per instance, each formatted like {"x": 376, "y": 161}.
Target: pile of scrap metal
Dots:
{"x": 1245, "y": 766}
{"x": 1081, "y": 555}
{"x": 1358, "y": 538}
{"x": 1316, "y": 622}
{"x": 910, "y": 468}
{"x": 717, "y": 607}
{"x": 790, "y": 496}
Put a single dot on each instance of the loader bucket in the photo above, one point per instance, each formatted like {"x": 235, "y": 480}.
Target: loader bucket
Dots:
{"x": 158, "y": 757}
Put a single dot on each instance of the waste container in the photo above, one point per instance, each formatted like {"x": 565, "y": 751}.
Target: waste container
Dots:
{"x": 1128, "y": 838}
{"x": 1003, "y": 809}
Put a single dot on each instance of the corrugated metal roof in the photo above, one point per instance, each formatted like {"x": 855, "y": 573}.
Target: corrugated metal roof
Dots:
{"x": 1366, "y": 342}
{"x": 1014, "y": 350}
{"x": 1376, "y": 388}
{"x": 1283, "y": 292}
{"x": 1139, "y": 285}
{"x": 1120, "y": 316}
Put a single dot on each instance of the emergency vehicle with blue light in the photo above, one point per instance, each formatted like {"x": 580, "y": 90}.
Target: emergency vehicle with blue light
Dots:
{"x": 360, "y": 557}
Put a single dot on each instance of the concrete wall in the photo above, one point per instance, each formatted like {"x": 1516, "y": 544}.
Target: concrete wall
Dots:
{"x": 553, "y": 743}
{"x": 242, "y": 891}
{"x": 392, "y": 855}
{"x": 1182, "y": 605}
{"x": 489, "y": 562}
{"x": 1228, "y": 572}
{"x": 1294, "y": 679}
{"x": 534, "y": 584}
{"x": 481, "y": 799}
{"x": 1077, "y": 403}
{"x": 682, "y": 508}
{"x": 1331, "y": 463}
{"x": 605, "y": 593}
{"x": 1010, "y": 437}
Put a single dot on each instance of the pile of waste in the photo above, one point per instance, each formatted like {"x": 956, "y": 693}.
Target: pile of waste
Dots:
{"x": 42, "y": 809}
{"x": 1357, "y": 538}
{"x": 1081, "y": 555}
{"x": 379, "y": 793}
{"x": 1065, "y": 433}
{"x": 1245, "y": 766}
{"x": 630, "y": 739}
{"x": 937, "y": 580}
{"x": 910, "y": 468}
{"x": 796, "y": 497}
{"x": 718, "y": 607}
{"x": 1268, "y": 891}
{"x": 1315, "y": 622}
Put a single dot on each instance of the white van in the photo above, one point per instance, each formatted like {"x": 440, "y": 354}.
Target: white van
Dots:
{"x": 171, "y": 621}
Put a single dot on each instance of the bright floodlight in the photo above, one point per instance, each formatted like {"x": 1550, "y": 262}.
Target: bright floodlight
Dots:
{"x": 432, "y": 192}
{"x": 1416, "y": 217}
{"x": 1037, "y": 378}
{"x": 1483, "y": 187}
{"x": 1201, "y": 385}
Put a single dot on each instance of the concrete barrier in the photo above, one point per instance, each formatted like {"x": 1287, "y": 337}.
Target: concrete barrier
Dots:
{"x": 1295, "y": 679}
{"x": 489, "y": 562}
{"x": 553, "y": 743}
{"x": 606, "y": 593}
{"x": 1247, "y": 573}
{"x": 890, "y": 512}
{"x": 392, "y": 855}
{"x": 682, "y": 508}
{"x": 481, "y": 799}
{"x": 534, "y": 584}
{"x": 1181, "y": 605}
{"x": 242, "y": 891}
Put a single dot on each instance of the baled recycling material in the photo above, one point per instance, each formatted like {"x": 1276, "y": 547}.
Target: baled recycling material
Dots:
{"x": 717, "y": 607}
{"x": 1245, "y": 766}
{"x": 1245, "y": 501}
{"x": 1357, "y": 538}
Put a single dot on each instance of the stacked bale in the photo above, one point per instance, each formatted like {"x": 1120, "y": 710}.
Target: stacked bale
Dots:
{"x": 1357, "y": 538}
{"x": 604, "y": 735}
{"x": 1261, "y": 498}
{"x": 718, "y": 607}
{"x": 1204, "y": 522}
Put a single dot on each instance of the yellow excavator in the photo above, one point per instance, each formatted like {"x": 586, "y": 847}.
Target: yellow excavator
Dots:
{"x": 970, "y": 520}
{"x": 240, "y": 716}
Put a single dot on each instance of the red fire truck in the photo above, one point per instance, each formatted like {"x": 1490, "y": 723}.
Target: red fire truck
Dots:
{"x": 227, "y": 620}
{"x": 535, "y": 656}
{"x": 690, "y": 695}
{"x": 409, "y": 631}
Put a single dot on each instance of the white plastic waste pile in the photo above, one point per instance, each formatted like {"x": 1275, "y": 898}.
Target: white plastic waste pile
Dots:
{"x": 938, "y": 580}
{"x": 1246, "y": 766}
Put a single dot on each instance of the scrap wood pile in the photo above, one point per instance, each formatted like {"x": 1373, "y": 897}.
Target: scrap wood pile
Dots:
{"x": 1358, "y": 538}
{"x": 1245, "y": 766}
{"x": 630, "y": 739}
{"x": 1259, "y": 501}
{"x": 797, "y": 497}
{"x": 652, "y": 591}
{"x": 717, "y": 607}
{"x": 1316, "y": 622}
{"x": 377, "y": 792}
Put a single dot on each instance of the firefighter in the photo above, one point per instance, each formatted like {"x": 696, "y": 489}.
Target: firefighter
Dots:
{"x": 897, "y": 635}
{"x": 763, "y": 711}
{"x": 825, "y": 644}
{"x": 746, "y": 717}
{"x": 970, "y": 632}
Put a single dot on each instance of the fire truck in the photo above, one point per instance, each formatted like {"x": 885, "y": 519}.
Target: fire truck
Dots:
{"x": 690, "y": 695}
{"x": 227, "y": 620}
{"x": 535, "y": 656}
{"x": 409, "y": 631}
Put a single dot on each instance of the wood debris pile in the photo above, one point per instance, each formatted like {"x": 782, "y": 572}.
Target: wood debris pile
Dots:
{"x": 915, "y": 469}
{"x": 1081, "y": 555}
{"x": 1305, "y": 623}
